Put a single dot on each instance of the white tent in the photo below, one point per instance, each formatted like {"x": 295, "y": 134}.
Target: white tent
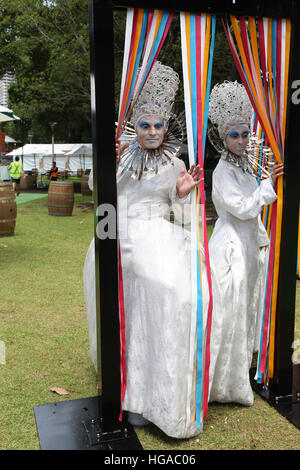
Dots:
{"x": 80, "y": 157}
{"x": 70, "y": 157}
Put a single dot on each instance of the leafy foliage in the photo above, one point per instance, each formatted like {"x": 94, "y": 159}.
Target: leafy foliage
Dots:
{"x": 45, "y": 44}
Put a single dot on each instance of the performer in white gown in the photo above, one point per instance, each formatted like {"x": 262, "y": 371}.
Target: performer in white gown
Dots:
{"x": 239, "y": 243}
{"x": 156, "y": 267}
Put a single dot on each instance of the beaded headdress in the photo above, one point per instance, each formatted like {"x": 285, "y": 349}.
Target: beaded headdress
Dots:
{"x": 229, "y": 106}
{"x": 156, "y": 98}
{"x": 158, "y": 93}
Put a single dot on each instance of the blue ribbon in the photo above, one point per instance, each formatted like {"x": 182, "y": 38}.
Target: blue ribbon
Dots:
{"x": 138, "y": 57}
{"x": 194, "y": 110}
{"x": 155, "y": 47}
{"x": 208, "y": 84}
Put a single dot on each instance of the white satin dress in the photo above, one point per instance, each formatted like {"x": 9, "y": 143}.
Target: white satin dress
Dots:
{"x": 160, "y": 345}
{"x": 240, "y": 265}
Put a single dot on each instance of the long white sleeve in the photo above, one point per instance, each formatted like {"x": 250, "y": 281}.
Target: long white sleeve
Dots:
{"x": 234, "y": 197}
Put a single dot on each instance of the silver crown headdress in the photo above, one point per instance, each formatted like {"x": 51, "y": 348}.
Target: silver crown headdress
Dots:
{"x": 229, "y": 106}
{"x": 158, "y": 93}
{"x": 157, "y": 97}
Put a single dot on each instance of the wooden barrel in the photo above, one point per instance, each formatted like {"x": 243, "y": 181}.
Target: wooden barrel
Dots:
{"x": 84, "y": 185}
{"x": 8, "y": 209}
{"x": 27, "y": 182}
{"x": 60, "y": 198}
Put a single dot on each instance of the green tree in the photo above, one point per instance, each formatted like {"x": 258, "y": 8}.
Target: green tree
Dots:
{"x": 46, "y": 46}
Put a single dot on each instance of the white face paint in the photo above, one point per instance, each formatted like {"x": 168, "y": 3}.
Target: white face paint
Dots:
{"x": 150, "y": 132}
{"x": 237, "y": 140}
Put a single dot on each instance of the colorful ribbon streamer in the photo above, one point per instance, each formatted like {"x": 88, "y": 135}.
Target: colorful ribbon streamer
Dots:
{"x": 261, "y": 54}
{"x": 145, "y": 33}
{"x": 197, "y": 40}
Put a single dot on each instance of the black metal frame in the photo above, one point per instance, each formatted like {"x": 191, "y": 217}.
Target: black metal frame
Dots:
{"x": 106, "y": 251}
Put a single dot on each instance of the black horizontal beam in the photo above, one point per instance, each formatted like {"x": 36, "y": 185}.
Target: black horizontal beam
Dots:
{"x": 269, "y": 8}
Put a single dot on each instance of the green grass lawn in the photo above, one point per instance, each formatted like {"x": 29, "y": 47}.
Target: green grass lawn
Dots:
{"x": 42, "y": 316}
{"x": 43, "y": 325}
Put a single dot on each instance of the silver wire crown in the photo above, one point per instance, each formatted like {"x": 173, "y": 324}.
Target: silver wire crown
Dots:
{"x": 158, "y": 94}
{"x": 229, "y": 106}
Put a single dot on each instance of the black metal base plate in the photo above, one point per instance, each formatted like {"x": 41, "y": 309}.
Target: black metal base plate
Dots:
{"x": 285, "y": 405}
{"x": 74, "y": 425}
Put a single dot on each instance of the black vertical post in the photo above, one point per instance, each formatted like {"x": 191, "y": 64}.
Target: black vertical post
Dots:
{"x": 104, "y": 173}
{"x": 283, "y": 372}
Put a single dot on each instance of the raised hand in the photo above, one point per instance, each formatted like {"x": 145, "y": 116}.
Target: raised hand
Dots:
{"x": 119, "y": 150}
{"x": 187, "y": 180}
{"x": 277, "y": 170}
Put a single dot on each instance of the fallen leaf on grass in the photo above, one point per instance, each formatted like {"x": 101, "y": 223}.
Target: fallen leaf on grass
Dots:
{"x": 59, "y": 391}
{"x": 3, "y": 245}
